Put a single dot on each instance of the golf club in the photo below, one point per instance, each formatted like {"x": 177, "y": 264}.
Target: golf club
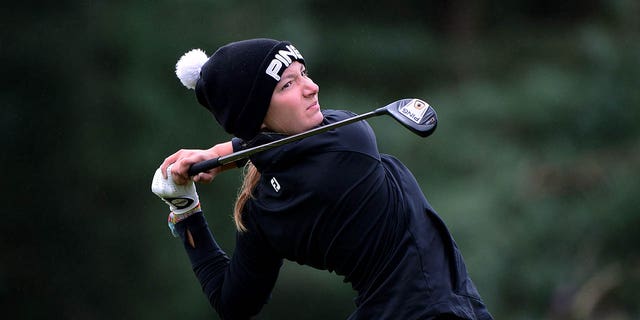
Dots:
{"x": 415, "y": 114}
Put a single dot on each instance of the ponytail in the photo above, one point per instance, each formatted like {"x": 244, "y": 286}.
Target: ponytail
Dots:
{"x": 251, "y": 178}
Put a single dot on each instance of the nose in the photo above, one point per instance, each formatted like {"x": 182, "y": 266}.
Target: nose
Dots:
{"x": 310, "y": 87}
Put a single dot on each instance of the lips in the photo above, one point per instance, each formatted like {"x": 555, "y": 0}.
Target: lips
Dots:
{"x": 314, "y": 104}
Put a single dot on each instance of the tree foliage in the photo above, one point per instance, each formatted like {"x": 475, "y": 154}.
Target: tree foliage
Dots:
{"x": 534, "y": 165}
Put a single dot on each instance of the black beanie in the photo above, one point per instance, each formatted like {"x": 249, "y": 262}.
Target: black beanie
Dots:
{"x": 237, "y": 81}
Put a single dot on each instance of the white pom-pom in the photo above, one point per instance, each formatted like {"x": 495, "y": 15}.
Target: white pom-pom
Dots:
{"x": 188, "y": 67}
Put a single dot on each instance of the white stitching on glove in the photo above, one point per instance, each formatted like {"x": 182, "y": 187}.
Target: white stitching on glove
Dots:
{"x": 180, "y": 198}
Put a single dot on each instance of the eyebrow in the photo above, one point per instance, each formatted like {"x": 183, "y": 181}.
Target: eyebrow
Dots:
{"x": 292, "y": 75}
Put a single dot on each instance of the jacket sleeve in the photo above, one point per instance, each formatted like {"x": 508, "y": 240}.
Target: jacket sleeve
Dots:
{"x": 237, "y": 288}
{"x": 239, "y": 145}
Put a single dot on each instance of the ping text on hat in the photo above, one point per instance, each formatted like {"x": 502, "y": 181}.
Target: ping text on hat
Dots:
{"x": 282, "y": 58}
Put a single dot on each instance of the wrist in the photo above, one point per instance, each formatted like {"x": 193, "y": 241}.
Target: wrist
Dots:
{"x": 175, "y": 218}
{"x": 222, "y": 149}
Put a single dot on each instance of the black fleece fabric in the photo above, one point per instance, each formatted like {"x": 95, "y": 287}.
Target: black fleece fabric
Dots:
{"x": 333, "y": 202}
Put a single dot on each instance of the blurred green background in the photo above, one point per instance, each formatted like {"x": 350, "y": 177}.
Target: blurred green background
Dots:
{"x": 534, "y": 166}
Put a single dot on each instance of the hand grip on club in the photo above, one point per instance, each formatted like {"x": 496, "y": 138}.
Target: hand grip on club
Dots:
{"x": 204, "y": 166}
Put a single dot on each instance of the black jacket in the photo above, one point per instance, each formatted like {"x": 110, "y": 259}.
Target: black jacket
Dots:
{"x": 333, "y": 202}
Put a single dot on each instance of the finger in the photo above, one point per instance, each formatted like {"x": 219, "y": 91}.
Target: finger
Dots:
{"x": 167, "y": 162}
{"x": 203, "y": 177}
{"x": 180, "y": 170}
{"x": 177, "y": 177}
{"x": 172, "y": 159}
{"x": 163, "y": 169}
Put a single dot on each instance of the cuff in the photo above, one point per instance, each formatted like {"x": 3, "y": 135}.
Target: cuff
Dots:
{"x": 174, "y": 218}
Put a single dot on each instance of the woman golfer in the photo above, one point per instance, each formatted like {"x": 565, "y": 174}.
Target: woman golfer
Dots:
{"x": 330, "y": 201}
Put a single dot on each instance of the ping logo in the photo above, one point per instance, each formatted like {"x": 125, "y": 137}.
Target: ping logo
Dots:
{"x": 414, "y": 110}
{"x": 275, "y": 184}
{"x": 282, "y": 58}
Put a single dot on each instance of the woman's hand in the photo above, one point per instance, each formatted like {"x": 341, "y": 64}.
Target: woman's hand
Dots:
{"x": 183, "y": 159}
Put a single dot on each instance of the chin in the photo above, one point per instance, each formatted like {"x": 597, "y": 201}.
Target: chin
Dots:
{"x": 318, "y": 118}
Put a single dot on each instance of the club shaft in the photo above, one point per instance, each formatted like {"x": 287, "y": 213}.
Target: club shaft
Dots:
{"x": 243, "y": 154}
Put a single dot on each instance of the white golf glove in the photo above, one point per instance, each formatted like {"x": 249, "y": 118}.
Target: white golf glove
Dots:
{"x": 180, "y": 198}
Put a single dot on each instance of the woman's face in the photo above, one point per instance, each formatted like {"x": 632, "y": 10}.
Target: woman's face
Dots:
{"x": 294, "y": 106}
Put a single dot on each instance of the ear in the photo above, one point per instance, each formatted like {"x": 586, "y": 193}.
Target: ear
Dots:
{"x": 266, "y": 115}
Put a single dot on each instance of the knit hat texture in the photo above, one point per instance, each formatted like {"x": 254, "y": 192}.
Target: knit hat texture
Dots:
{"x": 237, "y": 81}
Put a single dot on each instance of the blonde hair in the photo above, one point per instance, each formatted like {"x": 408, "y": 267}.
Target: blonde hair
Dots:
{"x": 251, "y": 178}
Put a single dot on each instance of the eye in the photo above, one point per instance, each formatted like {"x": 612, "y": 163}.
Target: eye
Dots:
{"x": 286, "y": 85}
{"x": 304, "y": 73}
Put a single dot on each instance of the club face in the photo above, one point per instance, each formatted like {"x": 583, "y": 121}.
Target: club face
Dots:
{"x": 415, "y": 114}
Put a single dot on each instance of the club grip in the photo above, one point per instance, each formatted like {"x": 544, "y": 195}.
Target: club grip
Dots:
{"x": 203, "y": 166}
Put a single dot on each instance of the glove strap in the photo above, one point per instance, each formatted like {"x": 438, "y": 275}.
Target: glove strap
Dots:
{"x": 174, "y": 218}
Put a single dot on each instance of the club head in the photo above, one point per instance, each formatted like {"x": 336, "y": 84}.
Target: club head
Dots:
{"x": 415, "y": 114}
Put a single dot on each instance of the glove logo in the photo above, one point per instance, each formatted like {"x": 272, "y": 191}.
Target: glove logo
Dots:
{"x": 180, "y": 203}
